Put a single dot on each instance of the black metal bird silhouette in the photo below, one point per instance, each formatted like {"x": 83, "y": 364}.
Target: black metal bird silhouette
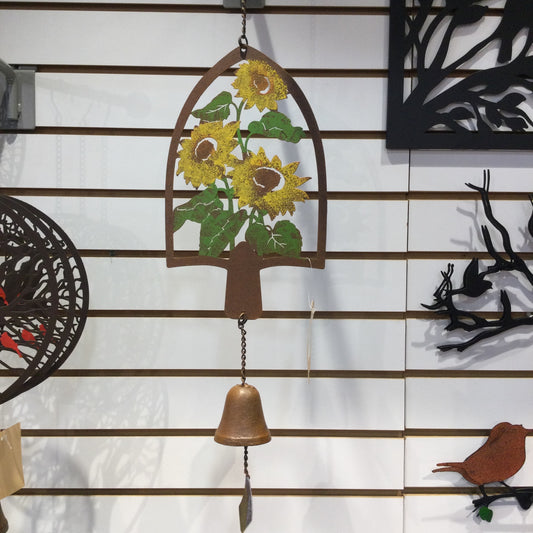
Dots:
{"x": 474, "y": 284}
{"x": 517, "y": 15}
{"x": 499, "y": 458}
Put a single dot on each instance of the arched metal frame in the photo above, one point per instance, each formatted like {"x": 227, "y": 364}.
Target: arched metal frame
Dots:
{"x": 314, "y": 260}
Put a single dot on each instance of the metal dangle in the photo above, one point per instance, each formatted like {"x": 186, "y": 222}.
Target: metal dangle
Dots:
{"x": 243, "y": 424}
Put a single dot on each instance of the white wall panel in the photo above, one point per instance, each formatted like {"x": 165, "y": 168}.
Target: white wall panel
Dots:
{"x": 142, "y": 101}
{"x": 199, "y": 462}
{"x": 120, "y": 162}
{"x": 509, "y": 351}
{"x": 453, "y": 514}
{"x": 433, "y": 170}
{"x": 197, "y": 514}
{"x": 424, "y": 277}
{"x": 120, "y": 283}
{"x": 467, "y": 402}
{"x": 448, "y": 225}
{"x": 189, "y": 39}
{"x": 422, "y": 455}
{"x": 215, "y": 343}
{"x": 191, "y": 402}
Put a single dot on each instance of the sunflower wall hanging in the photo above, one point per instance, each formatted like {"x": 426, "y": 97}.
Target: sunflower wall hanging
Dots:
{"x": 241, "y": 200}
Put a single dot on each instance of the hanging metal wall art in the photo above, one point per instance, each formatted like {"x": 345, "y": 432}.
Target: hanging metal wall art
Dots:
{"x": 44, "y": 295}
{"x": 244, "y": 197}
{"x": 471, "y": 75}
{"x": 242, "y": 204}
{"x": 500, "y": 457}
{"x": 476, "y": 282}
{"x": 44, "y": 300}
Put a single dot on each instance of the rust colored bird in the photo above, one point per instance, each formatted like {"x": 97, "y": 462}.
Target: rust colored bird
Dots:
{"x": 499, "y": 458}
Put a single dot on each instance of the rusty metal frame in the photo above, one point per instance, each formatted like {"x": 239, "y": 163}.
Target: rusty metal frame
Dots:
{"x": 314, "y": 260}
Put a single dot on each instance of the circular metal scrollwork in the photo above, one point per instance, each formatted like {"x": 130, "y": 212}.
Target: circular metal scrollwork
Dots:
{"x": 44, "y": 296}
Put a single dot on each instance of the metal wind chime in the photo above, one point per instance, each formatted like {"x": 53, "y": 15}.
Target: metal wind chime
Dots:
{"x": 238, "y": 185}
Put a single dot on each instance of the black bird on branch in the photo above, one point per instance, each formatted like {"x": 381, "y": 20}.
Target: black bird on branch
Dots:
{"x": 475, "y": 283}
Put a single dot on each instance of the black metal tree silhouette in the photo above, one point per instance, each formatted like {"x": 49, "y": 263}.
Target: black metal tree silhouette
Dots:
{"x": 475, "y": 284}
{"x": 450, "y": 104}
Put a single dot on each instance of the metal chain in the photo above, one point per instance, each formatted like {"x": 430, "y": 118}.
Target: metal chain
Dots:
{"x": 243, "y": 40}
{"x": 242, "y": 320}
{"x": 246, "y": 461}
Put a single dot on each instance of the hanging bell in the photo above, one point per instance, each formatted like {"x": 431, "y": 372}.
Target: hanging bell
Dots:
{"x": 243, "y": 422}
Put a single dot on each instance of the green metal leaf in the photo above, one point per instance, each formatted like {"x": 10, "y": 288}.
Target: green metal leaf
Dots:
{"x": 485, "y": 513}
{"x": 197, "y": 208}
{"x": 257, "y": 236}
{"x": 285, "y": 240}
{"x": 276, "y": 125}
{"x": 219, "y": 229}
{"x": 217, "y": 109}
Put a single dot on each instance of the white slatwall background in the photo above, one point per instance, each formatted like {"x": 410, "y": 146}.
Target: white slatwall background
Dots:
{"x": 120, "y": 440}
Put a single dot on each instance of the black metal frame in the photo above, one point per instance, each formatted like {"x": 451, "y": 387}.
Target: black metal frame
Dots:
{"x": 450, "y": 105}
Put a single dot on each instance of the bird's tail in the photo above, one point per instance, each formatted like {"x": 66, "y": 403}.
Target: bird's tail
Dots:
{"x": 449, "y": 467}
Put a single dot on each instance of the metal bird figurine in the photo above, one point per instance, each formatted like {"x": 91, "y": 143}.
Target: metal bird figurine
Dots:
{"x": 499, "y": 458}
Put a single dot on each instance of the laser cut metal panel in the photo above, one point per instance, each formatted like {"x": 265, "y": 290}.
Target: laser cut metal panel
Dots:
{"x": 44, "y": 296}
{"x": 469, "y": 65}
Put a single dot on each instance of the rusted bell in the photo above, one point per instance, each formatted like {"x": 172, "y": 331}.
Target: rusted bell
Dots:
{"x": 243, "y": 422}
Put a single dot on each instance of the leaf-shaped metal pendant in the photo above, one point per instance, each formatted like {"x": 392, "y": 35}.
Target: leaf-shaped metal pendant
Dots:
{"x": 236, "y": 196}
{"x": 245, "y": 507}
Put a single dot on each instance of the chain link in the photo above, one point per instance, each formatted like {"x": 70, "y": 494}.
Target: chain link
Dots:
{"x": 242, "y": 320}
{"x": 246, "y": 461}
{"x": 243, "y": 40}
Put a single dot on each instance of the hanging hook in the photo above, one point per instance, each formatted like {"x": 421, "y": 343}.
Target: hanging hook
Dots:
{"x": 243, "y": 40}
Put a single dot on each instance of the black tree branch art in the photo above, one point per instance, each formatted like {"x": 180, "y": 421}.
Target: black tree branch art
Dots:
{"x": 475, "y": 284}
{"x": 450, "y": 104}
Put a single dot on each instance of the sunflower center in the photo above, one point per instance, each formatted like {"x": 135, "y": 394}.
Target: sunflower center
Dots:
{"x": 261, "y": 83}
{"x": 266, "y": 180}
{"x": 204, "y": 149}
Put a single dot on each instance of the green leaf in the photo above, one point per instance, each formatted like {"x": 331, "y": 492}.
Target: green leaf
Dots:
{"x": 285, "y": 239}
{"x": 276, "y": 125}
{"x": 257, "y": 236}
{"x": 197, "y": 208}
{"x": 485, "y": 513}
{"x": 218, "y": 229}
{"x": 217, "y": 109}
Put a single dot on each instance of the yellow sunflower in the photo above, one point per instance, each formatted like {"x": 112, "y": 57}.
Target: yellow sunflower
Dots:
{"x": 203, "y": 157}
{"x": 259, "y": 84}
{"x": 265, "y": 184}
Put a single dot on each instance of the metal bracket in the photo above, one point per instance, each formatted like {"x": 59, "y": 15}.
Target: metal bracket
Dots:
{"x": 250, "y": 4}
{"x": 17, "y": 97}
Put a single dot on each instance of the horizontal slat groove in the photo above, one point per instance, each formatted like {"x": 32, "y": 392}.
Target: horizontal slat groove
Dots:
{"x": 285, "y": 432}
{"x": 376, "y": 493}
{"x": 167, "y": 132}
{"x": 200, "y": 71}
{"x": 331, "y": 195}
{"x": 274, "y": 373}
{"x": 208, "y": 432}
{"x": 194, "y": 8}
{"x": 332, "y": 315}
